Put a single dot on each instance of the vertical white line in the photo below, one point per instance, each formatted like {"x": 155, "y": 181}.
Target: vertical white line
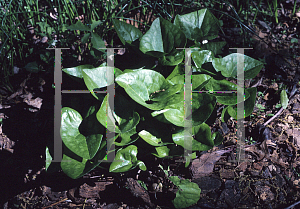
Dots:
{"x": 188, "y": 106}
{"x": 240, "y": 106}
{"x": 110, "y": 103}
{"x": 57, "y": 153}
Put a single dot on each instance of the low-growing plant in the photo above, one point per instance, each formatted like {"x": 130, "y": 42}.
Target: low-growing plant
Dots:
{"x": 260, "y": 107}
{"x": 149, "y": 112}
{"x": 250, "y": 141}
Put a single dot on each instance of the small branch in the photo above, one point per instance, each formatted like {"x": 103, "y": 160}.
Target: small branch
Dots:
{"x": 277, "y": 114}
{"x": 280, "y": 111}
{"x": 55, "y": 203}
{"x": 293, "y": 205}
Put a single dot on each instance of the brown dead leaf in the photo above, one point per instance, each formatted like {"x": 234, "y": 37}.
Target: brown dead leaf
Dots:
{"x": 242, "y": 166}
{"x": 265, "y": 193}
{"x": 296, "y": 183}
{"x": 266, "y": 96}
{"x": 87, "y": 191}
{"x": 227, "y": 173}
{"x": 138, "y": 191}
{"x": 262, "y": 35}
{"x": 264, "y": 25}
{"x": 258, "y": 166}
{"x": 296, "y": 108}
{"x": 5, "y": 142}
{"x": 271, "y": 144}
{"x": 296, "y": 135}
{"x": 284, "y": 126}
{"x": 276, "y": 159}
{"x": 274, "y": 86}
{"x": 281, "y": 138}
{"x": 290, "y": 119}
{"x": 256, "y": 151}
{"x": 205, "y": 164}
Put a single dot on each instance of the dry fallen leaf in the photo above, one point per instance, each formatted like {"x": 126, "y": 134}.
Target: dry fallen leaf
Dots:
{"x": 266, "y": 96}
{"x": 262, "y": 35}
{"x": 296, "y": 135}
{"x": 260, "y": 154}
{"x": 205, "y": 164}
{"x": 274, "y": 86}
{"x": 290, "y": 119}
{"x": 284, "y": 126}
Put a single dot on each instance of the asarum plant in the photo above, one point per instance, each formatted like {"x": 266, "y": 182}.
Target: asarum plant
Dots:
{"x": 148, "y": 106}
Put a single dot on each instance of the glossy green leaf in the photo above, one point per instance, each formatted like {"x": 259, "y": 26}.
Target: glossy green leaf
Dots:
{"x": 215, "y": 47}
{"x": 48, "y": 158}
{"x": 198, "y": 25}
{"x": 95, "y": 78}
{"x": 127, "y": 124}
{"x": 188, "y": 158}
{"x": 178, "y": 70}
{"x": 150, "y": 139}
{"x": 201, "y": 57}
{"x": 77, "y": 71}
{"x": 178, "y": 79}
{"x": 85, "y": 38}
{"x": 202, "y": 142}
{"x": 125, "y": 160}
{"x": 219, "y": 86}
{"x": 188, "y": 193}
{"x": 175, "y": 113}
{"x": 250, "y": 102}
{"x": 141, "y": 165}
{"x": 225, "y": 115}
{"x": 199, "y": 81}
{"x": 97, "y": 159}
{"x": 124, "y": 121}
{"x": 161, "y": 152}
{"x": 126, "y": 32}
{"x": 248, "y": 105}
{"x": 32, "y": 67}
{"x": 228, "y": 65}
{"x": 76, "y": 168}
{"x": 72, "y": 167}
{"x": 202, "y": 102}
{"x": 97, "y": 42}
{"x": 73, "y": 139}
{"x": 90, "y": 125}
{"x": 171, "y": 60}
{"x": 217, "y": 138}
{"x": 162, "y": 38}
{"x": 79, "y": 26}
{"x": 207, "y": 68}
{"x": 50, "y": 166}
{"x": 284, "y": 99}
{"x": 95, "y": 24}
{"x": 127, "y": 137}
{"x": 140, "y": 84}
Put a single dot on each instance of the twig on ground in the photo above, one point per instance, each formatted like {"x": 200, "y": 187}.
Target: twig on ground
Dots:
{"x": 55, "y": 203}
{"x": 257, "y": 83}
{"x": 293, "y": 205}
{"x": 277, "y": 114}
{"x": 281, "y": 109}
